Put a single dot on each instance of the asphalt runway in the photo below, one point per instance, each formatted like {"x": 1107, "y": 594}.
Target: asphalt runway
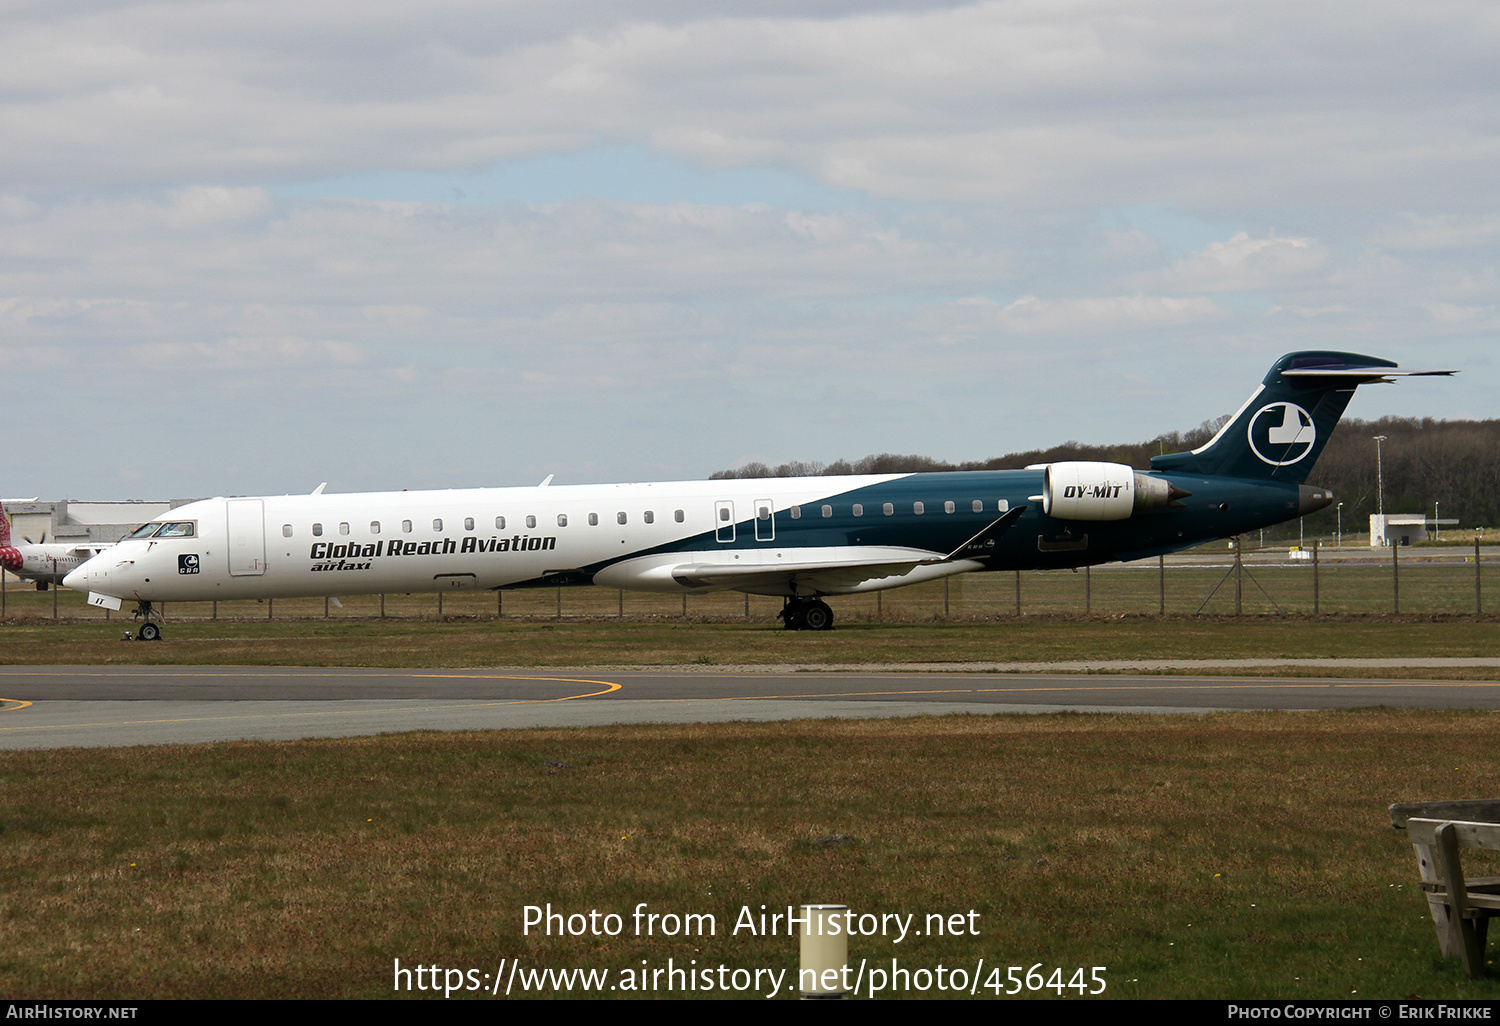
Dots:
{"x": 115, "y": 706}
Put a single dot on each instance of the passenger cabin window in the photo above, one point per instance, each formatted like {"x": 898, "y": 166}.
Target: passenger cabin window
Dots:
{"x": 374, "y": 526}
{"x": 677, "y": 516}
{"x": 948, "y": 506}
{"x": 437, "y": 525}
{"x": 796, "y": 512}
{"x": 888, "y": 509}
{"x": 406, "y": 527}
{"x": 317, "y": 530}
{"x": 859, "y": 509}
{"x": 286, "y": 530}
{"x": 827, "y": 511}
{"x": 593, "y": 520}
{"x": 343, "y": 529}
{"x": 530, "y": 521}
{"x": 619, "y": 518}
{"x": 649, "y": 516}
{"x": 562, "y": 520}
{"x": 499, "y": 523}
{"x": 919, "y": 508}
{"x": 978, "y": 505}
{"x": 763, "y": 513}
{"x": 468, "y": 523}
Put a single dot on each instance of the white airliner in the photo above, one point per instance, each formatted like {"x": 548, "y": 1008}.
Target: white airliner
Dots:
{"x": 44, "y": 562}
{"x": 801, "y": 538}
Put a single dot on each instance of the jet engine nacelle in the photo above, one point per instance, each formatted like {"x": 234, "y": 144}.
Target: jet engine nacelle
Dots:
{"x": 1101, "y": 491}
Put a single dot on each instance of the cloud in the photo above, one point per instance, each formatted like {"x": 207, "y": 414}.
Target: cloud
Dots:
{"x": 1242, "y": 264}
{"x": 851, "y": 225}
{"x": 975, "y": 318}
{"x": 984, "y": 102}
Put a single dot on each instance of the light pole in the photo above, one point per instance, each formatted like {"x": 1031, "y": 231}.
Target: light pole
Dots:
{"x": 1380, "y": 484}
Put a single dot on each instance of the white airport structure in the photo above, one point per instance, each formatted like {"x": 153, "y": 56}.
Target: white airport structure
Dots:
{"x": 1402, "y": 528}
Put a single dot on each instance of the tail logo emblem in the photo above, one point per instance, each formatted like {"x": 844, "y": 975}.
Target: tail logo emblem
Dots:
{"x": 1285, "y": 429}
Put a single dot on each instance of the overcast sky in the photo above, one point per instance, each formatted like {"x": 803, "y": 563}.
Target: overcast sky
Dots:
{"x": 246, "y": 247}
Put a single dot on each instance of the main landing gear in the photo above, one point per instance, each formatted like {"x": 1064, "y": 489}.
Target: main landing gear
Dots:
{"x": 807, "y": 615}
{"x": 151, "y": 629}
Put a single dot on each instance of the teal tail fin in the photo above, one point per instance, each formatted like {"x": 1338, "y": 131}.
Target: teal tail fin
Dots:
{"x": 1284, "y": 425}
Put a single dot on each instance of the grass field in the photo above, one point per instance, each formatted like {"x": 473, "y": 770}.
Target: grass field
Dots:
{"x": 603, "y": 643}
{"x": 1234, "y": 855}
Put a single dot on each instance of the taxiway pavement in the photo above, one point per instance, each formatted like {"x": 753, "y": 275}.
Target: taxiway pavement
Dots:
{"x": 83, "y": 706}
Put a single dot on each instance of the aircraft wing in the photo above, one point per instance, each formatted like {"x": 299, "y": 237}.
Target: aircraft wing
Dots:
{"x": 830, "y": 574}
{"x": 875, "y": 563}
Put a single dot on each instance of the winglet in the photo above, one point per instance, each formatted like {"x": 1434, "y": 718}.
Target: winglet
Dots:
{"x": 319, "y": 490}
{"x": 546, "y": 481}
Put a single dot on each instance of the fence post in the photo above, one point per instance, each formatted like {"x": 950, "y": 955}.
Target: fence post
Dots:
{"x": 270, "y": 609}
{"x": 1238, "y": 567}
{"x": 1478, "y": 596}
{"x": 559, "y": 602}
{"x": 499, "y": 603}
{"x": 684, "y": 605}
{"x": 382, "y": 605}
{"x": 880, "y": 605}
{"x": 216, "y": 610}
{"x": 1088, "y": 592}
{"x": 1396, "y": 578}
{"x": 440, "y": 605}
{"x": 622, "y": 601}
{"x": 1018, "y": 593}
{"x": 945, "y": 597}
{"x": 1161, "y": 585}
{"x": 1316, "y": 546}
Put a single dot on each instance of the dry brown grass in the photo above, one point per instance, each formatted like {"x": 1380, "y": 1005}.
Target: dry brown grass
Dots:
{"x": 1242, "y": 855}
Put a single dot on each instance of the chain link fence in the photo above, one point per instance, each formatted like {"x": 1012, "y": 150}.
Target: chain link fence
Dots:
{"x": 1214, "y": 582}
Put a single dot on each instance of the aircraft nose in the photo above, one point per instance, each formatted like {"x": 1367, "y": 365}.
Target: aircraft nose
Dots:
{"x": 76, "y": 579}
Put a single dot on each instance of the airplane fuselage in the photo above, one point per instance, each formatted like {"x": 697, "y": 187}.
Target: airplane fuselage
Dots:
{"x": 781, "y": 536}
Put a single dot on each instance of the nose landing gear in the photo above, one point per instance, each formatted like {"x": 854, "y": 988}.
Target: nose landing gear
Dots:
{"x": 151, "y": 629}
{"x": 807, "y": 615}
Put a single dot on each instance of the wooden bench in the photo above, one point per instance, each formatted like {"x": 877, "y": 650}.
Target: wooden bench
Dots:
{"x": 1461, "y": 906}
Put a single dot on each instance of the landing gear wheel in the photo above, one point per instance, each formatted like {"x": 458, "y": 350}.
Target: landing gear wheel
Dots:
{"x": 807, "y": 615}
{"x": 148, "y": 632}
{"x": 816, "y": 616}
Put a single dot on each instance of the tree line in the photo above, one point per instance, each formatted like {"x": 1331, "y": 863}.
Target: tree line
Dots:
{"x": 1453, "y": 463}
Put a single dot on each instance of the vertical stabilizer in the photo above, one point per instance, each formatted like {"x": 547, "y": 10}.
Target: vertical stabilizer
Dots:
{"x": 1284, "y": 425}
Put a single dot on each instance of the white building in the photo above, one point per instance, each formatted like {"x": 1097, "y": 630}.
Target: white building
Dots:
{"x": 1402, "y": 528}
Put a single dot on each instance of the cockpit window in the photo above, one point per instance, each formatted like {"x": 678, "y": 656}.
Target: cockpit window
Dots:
{"x": 182, "y": 529}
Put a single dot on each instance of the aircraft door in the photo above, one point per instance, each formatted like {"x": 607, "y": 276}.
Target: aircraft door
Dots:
{"x": 247, "y": 537}
{"x": 724, "y": 520}
{"x": 765, "y": 520}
